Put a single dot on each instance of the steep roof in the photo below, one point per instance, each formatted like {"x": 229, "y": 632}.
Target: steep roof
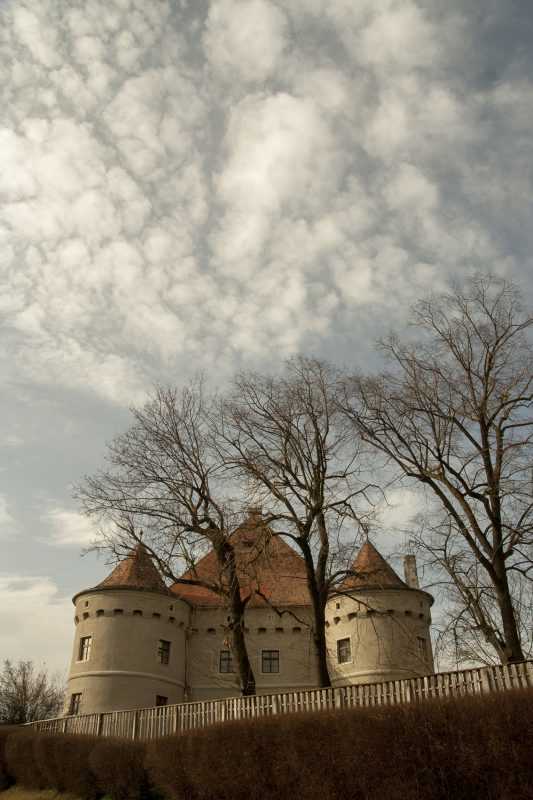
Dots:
{"x": 136, "y": 571}
{"x": 266, "y": 565}
{"x": 371, "y": 570}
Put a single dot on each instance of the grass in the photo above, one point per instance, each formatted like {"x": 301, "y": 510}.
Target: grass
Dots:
{"x": 19, "y": 793}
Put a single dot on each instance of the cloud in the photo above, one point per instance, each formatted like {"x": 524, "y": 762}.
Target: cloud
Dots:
{"x": 36, "y": 621}
{"x": 7, "y": 521}
{"x": 244, "y": 40}
{"x": 68, "y": 528}
{"x": 187, "y": 188}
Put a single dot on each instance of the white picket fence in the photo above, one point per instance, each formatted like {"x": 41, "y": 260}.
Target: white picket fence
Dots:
{"x": 152, "y": 723}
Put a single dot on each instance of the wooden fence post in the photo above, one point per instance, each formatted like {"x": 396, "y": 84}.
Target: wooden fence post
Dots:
{"x": 100, "y": 725}
{"x": 135, "y": 728}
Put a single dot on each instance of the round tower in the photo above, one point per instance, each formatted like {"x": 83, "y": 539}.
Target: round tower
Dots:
{"x": 378, "y": 626}
{"x": 129, "y": 644}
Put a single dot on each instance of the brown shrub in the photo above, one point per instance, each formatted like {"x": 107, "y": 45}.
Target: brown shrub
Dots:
{"x": 52, "y": 761}
{"x": 118, "y": 766}
{"x": 462, "y": 748}
{"x": 21, "y": 761}
{"x": 5, "y": 778}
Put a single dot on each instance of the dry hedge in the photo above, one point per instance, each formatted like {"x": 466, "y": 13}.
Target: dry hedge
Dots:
{"x": 462, "y": 748}
{"x": 5, "y": 778}
{"x": 472, "y": 747}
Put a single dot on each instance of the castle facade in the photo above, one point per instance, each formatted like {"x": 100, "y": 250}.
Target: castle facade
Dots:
{"x": 139, "y": 643}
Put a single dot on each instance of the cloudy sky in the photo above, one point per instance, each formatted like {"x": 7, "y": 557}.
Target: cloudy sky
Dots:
{"x": 204, "y": 185}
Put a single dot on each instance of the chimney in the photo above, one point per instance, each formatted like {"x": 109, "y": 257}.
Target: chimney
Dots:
{"x": 409, "y": 570}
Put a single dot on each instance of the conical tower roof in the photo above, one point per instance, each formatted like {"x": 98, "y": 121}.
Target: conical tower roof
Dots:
{"x": 372, "y": 571}
{"x": 136, "y": 571}
{"x": 266, "y": 565}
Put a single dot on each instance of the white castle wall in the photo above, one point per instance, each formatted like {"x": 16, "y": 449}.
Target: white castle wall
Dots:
{"x": 265, "y": 630}
{"x": 386, "y": 628}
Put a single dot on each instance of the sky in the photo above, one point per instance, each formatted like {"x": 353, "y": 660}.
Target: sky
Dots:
{"x": 211, "y": 186}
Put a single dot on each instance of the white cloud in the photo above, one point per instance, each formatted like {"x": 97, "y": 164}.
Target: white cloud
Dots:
{"x": 7, "y": 521}
{"x": 36, "y": 621}
{"x": 68, "y": 528}
{"x": 403, "y": 505}
{"x": 245, "y": 39}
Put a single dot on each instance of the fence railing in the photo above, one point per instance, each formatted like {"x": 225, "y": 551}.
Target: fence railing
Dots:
{"x": 152, "y": 723}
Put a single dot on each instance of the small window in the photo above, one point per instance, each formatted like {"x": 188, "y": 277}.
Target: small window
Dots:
{"x": 118, "y": 611}
{"x": 171, "y": 608}
{"x": 280, "y": 630}
{"x": 270, "y": 661}
{"x": 100, "y": 612}
{"x": 75, "y": 702}
{"x": 225, "y": 663}
{"x": 172, "y": 620}
{"x": 421, "y": 646}
{"x": 337, "y": 605}
{"x": 84, "y": 652}
{"x": 344, "y": 651}
{"x": 211, "y": 630}
{"x": 85, "y": 615}
{"x": 161, "y": 700}
{"x": 156, "y": 615}
{"x": 163, "y": 651}
{"x": 296, "y": 629}
{"x": 137, "y": 612}
{"x": 408, "y": 613}
{"x": 86, "y": 603}
{"x": 336, "y": 620}
{"x": 76, "y": 620}
{"x": 261, "y": 630}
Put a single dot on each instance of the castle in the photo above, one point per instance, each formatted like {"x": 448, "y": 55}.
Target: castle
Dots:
{"x": 139, "y": 643}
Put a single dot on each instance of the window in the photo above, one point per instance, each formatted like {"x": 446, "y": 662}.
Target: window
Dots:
{"x": 270, "y": 661}
{"x": 100, "y": 612}
{"x": 84, "y": 653}
{"x": 156, "y": 615}
{"x": 118, "y": 611}
{"x": 85, "y": 615}
{"x": 163, "y": 651}
{"x": 75, "y": 702}
{"x": 225, "y": 663}
{"x": 421, "y": 646}
{"x": 137, "y": 612}
{"x": 161, "y": 700}
{"x": 344, "y": 651}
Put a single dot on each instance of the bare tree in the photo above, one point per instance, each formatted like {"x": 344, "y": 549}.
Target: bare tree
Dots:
{"x": 470, "y": 628}
{"x": 454, "y": 414}
{"x": 286, "y": 437}
{"x": 165, "y": 477}
{"x": 28, "y": 694}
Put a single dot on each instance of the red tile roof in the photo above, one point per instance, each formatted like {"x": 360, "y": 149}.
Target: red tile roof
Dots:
{"x": 371, "y": 570}
{"x": 266, "y": 565}
{"x": 136, "y": 571}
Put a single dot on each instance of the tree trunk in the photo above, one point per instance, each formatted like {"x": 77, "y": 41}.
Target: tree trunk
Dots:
{"x": 511, "y": 634}
{"x": 246, "y": 673}
{"x": 237, "y": 607}
{"x": 321, "y": 646}
{"x": 319, "y": 616}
